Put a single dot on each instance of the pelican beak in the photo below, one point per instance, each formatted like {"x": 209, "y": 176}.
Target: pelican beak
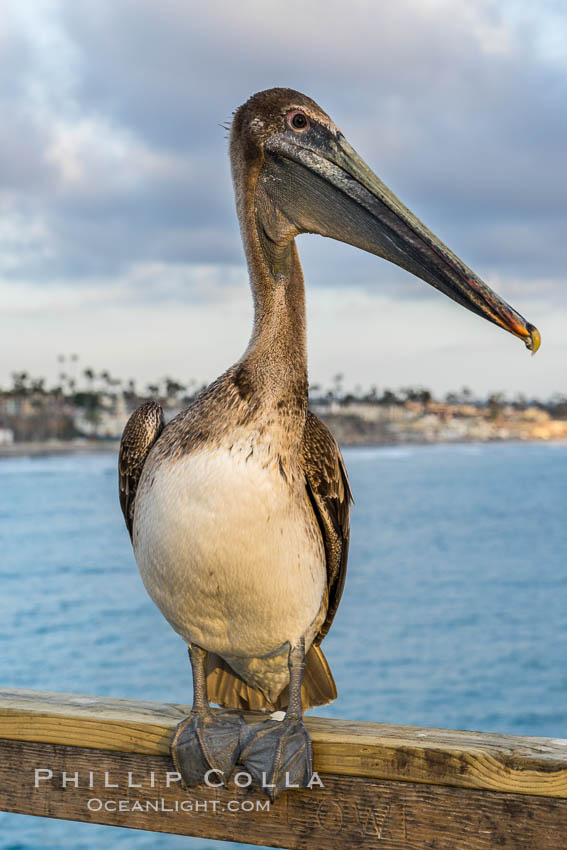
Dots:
{"x": 323, "y": 186}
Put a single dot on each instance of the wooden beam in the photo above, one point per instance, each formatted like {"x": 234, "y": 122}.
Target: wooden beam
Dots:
{"x": 479, "y": 760}
{"x": 384, "y": 786}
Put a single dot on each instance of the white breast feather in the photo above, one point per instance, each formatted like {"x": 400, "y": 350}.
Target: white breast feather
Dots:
{"x": 230, "y": 552}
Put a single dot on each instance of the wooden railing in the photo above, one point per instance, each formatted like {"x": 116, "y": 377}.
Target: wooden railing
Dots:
{"x": 385, "y": 787}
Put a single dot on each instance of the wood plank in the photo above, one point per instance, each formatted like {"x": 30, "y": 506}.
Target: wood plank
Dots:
{"x": 348, "y": 812}
{"x": 475, "y": 760}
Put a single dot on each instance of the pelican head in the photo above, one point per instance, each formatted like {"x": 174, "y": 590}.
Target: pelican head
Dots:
{"x": 295, "y": 172}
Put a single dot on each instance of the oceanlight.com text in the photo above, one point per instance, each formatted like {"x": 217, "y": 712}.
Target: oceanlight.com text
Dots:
{"x": 95, "y": 804}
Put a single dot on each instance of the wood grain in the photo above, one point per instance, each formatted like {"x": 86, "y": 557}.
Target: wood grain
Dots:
{"x": 473, "y": 760}
{"x": 348, "y": 812}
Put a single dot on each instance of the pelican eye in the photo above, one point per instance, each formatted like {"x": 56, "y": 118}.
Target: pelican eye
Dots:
{"x": 298, "y": 121}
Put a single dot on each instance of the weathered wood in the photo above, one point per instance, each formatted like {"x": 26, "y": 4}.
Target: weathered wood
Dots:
{"x": 348, "y": 812}
{"x": 474, "y": 760}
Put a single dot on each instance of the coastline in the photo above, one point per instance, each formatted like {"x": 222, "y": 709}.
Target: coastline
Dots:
{"x": 65, "y": 447}
{"x": 57, "y": 447}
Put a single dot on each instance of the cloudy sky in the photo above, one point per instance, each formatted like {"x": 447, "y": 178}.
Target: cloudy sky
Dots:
{"x": 118, "y": 237}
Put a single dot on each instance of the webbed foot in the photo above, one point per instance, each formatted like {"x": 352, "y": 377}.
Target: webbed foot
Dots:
{"x": 278, "y": 754}
{"x": 207, "y": 741}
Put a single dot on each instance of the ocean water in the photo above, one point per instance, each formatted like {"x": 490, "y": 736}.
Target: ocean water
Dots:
{"x": 454, "y": 612}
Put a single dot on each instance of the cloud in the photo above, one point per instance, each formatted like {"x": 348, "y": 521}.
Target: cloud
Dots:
{"x": 114, "y": 176}
{"x": 202, "y": 320}
{"x": 112, "y": 135}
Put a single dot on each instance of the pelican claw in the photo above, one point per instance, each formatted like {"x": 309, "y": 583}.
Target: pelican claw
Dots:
{"x": 206, "y": 742}
{"x": 278, "y": 754}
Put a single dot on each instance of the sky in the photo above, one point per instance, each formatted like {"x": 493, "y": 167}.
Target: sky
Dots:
{"x": 118, "y": 236}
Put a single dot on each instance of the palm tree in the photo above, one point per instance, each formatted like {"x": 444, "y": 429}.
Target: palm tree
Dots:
{"x": 89, "y": 375}
{"x": 20, "y": 380}
{"x": 173, "y": 387}
{"x": 337, "y": 390}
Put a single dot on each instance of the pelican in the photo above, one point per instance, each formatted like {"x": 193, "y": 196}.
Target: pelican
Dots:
{"x": 238, "y": 509}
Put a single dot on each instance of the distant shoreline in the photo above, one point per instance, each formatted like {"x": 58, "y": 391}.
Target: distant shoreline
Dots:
{"x": 63, "y": 447}
{"x": 59, "y": 447}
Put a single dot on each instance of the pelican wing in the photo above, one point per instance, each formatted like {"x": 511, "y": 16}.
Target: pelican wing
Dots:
{"x": 141, "y": 431}
{"x": 329, "y": 491}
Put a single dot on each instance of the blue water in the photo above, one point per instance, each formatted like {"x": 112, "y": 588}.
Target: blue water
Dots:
{"x": 454, "y": 612}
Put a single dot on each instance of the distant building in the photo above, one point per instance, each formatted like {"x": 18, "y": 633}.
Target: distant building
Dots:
{"x": 6, "y": 436}
{"x": 107, "y": 422}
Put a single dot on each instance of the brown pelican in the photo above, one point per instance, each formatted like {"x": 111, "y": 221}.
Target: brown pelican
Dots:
{"x": 238, "y": 509}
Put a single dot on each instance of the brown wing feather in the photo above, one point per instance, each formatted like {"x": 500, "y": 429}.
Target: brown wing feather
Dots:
{"x": 329, "y": 491}
{"x": 141, "y": 431}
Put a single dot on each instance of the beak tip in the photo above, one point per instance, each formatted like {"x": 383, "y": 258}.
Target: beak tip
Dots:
{"x": 533, "y": 340}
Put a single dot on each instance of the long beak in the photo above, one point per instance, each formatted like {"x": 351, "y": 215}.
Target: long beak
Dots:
{"x": 323, "y": 186}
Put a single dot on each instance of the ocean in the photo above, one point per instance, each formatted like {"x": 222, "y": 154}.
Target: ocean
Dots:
{"x": 453, "y": 615}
